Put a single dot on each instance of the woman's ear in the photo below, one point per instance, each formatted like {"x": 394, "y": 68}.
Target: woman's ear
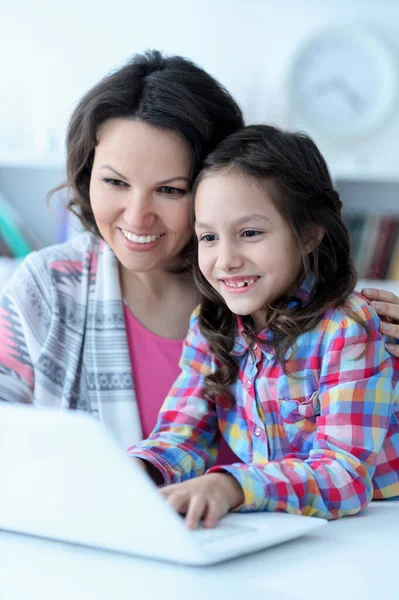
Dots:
{"x": 315, "y": 238}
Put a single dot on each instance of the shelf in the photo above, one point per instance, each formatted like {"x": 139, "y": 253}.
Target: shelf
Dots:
{"x": 34, "y": 160}
{"x": 38, "y": 160}
{"x": 368, "y": 175}
{"x": 383, "y": 284}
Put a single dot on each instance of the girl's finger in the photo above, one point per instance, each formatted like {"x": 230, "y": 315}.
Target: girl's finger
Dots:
{"x": 167, "y": 490}
{"x": 381, "y": 295}
{"x": 179, "y": 501}
{"x": 387, "y": 310}
{"x": 393, "y": 349}
{"x": 196, "y": 510}
{"x": 214, "y": 512}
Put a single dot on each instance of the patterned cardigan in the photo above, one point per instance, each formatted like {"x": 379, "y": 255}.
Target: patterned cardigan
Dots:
{"x": 63, "y": 339}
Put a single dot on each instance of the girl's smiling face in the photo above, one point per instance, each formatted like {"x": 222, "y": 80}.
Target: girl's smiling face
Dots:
{"x": 246, "y": 250}
{"x": 139, "y": 193}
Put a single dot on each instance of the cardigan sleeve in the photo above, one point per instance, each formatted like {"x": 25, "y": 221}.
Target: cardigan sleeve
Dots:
{"x": 25, "y": 317}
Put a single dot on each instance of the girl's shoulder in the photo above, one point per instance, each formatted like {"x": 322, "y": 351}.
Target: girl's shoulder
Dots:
{"x": 350, "y": 320}
{"x": 355, "y": 309}
{"x": 195, "y": 338}
{"x": 194, "y": 331}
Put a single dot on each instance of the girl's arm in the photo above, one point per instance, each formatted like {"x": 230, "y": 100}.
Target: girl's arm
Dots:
{"x": 185, "y": 441}
{"x": 357, "y": 400}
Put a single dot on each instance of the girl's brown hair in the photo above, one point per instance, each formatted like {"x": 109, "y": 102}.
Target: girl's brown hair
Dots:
{"x": 295, "y": 175}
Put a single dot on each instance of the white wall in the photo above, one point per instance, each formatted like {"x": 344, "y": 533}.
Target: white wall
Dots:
{"x": 51, "y": 52}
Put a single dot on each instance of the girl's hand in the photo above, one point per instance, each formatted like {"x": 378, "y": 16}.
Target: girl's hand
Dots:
{"x": 386, "y": 304}
{"x": 207, "y": 497}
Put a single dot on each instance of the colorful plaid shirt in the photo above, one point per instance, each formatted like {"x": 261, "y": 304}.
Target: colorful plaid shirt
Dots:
{"x": 323, "y": 443}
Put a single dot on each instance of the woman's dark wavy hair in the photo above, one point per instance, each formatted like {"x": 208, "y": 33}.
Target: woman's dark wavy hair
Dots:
{"x": 167, "y": 92}
{"x": 294, "y": 174}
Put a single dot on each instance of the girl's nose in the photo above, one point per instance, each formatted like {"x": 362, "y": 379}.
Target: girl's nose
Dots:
{"x": 229, "y": 259}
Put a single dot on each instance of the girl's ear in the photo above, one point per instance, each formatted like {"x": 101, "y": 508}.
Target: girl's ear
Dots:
{"x": 315, "y": 239}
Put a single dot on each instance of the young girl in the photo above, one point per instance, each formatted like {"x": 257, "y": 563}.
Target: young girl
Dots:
{"x": 283, "y": 359}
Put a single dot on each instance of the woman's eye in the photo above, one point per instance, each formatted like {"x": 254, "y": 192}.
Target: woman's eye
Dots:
{"x": 171, "y": 191}
{"x": 208, "y": 237}
{"x": 251, "y": 233}
{"x": 114, "y": 182}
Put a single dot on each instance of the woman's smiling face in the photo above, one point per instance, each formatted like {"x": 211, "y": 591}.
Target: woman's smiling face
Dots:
{"x": 139, "y": 193}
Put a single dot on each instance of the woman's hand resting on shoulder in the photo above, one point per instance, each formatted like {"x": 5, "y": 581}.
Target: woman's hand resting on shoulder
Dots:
{"x": 208, "y": 497}
{"x": 386, "y": 304}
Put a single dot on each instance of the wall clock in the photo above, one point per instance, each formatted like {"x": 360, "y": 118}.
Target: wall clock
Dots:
{"x": 343, "y": 83}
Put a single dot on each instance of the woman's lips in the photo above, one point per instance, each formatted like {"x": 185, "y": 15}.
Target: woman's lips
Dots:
{"x": 140, "y": 246}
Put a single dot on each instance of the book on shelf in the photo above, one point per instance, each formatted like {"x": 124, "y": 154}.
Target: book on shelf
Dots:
{"x": 15, "y": 240}
{"x": 375, "y": 245}
{"x": 393, "y": 270}
{"x": 380, "y": 259}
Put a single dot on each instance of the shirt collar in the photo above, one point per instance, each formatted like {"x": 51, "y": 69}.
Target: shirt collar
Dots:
{"x": 302, "y": 295}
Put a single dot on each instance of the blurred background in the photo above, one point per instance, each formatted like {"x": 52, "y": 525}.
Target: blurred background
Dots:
{"x": 328, "y": 67}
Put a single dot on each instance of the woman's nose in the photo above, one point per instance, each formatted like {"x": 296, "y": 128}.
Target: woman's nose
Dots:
{"x": 139, "y": 212}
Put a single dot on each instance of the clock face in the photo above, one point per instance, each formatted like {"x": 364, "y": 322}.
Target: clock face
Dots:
{"x": 343, "y": 83}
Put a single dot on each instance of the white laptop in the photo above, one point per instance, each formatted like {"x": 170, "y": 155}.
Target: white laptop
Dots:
{"x": 62, "y": 477}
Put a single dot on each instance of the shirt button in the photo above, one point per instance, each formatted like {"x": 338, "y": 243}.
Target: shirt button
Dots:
{"x": 258, "y": 431}
{"x": 249, "y": 383}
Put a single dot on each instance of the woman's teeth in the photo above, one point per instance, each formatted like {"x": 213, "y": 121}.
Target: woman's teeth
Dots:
{"x": 240, "y": 284}
{"x": 140, "y": 239}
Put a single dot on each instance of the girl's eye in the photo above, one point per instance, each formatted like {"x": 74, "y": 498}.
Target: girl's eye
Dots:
{"x": 114, "y": 182}
{"x": 208, "y": 237}
{"x": 251, "y": 233}
{"x": 171, "y": 191}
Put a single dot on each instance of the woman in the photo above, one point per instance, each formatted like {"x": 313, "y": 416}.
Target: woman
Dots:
{"x": 97, "y": 324}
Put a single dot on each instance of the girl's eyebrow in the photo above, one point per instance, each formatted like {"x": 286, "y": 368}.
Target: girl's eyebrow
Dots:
{"x": 239, "y": 221}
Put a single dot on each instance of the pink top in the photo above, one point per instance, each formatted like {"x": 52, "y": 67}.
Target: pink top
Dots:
{"x": 146, "y": 350}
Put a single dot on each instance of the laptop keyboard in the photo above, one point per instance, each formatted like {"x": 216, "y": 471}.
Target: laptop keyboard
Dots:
{"x": 221, "y": 532}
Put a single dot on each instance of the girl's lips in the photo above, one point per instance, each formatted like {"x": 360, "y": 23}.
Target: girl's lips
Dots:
{"x": 137, "y": 247}
{"x": 236, "y": 280}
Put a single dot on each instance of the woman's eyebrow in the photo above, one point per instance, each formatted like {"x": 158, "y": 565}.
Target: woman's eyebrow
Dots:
{"x": 114, "y": 171}
{"x": 164, "y": 182}
{"x": 178, "y": 178}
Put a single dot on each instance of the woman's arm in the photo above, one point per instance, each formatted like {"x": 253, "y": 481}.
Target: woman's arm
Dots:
{"x": 386, "y": 304}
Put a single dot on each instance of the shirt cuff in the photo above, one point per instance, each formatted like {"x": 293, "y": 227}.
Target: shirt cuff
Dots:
{"x": 254, "y": 489}
{"x": 169, "y": 476}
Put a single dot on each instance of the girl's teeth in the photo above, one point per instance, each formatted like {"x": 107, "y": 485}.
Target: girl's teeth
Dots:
{"x": 140, "y": 239}
{"x": 240, "y": 284}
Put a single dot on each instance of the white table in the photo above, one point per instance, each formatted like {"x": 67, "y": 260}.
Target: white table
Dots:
{"x": 356, "y": 558}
